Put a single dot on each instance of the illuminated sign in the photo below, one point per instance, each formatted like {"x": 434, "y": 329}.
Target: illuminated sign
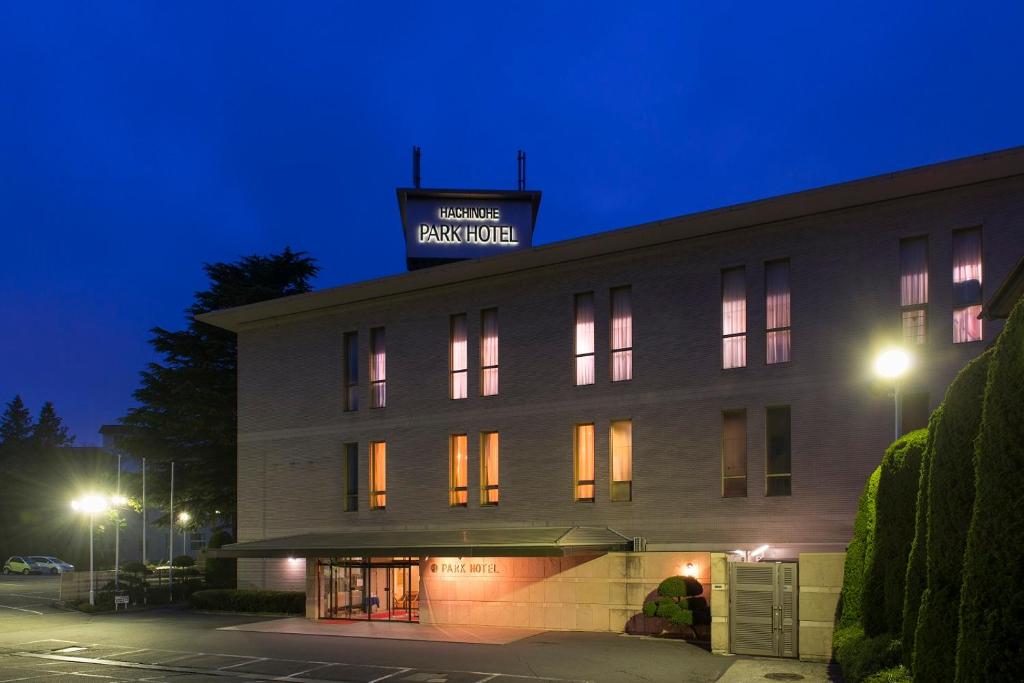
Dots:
{"x": 450, "y": 225}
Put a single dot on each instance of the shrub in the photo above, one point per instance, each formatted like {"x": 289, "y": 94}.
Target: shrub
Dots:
{"x": 650, "y": 608}
{"x": 897, "y": 674}
{"x": 220, "y": 572}
{"x": 882, "y": 600}
{"x": 278, "y": 602}
{"x": 848, "y": 611}
{"x": 859, "y": 656}
{"x": 680, "y": 587}
{"x": 183, "y": 561}
{"x": 992, "y": 609}
{"x": 951, "y": 497}
{"x": 916, "y": 574}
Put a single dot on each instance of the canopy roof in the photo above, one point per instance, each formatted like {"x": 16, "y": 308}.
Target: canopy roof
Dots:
{"x": 517, "y": 541}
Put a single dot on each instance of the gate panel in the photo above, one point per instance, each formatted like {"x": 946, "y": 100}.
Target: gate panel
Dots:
{"x": 787, "y": 592}
{"x": 763, "y": 609}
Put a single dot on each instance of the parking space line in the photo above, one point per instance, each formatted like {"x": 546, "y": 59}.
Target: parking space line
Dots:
{"x": 305, "y": 671}
{"x": 251, "y": 660}
{"x": 393, "y": 673}
{"x": 31, "y": 611}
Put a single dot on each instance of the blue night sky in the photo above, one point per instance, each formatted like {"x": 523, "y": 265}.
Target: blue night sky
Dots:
{"x": 139, "y": 140}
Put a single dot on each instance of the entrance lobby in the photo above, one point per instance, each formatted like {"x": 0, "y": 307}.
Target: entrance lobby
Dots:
{"x": 376, "y": 588}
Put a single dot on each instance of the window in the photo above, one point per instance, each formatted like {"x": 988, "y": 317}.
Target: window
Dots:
{"x": 489, "y": 447}
{"x": 778, "y": 443}
{"x": 583, "y": 459}
{"x": 622, "y": 460}
{"x": 458, "y": 363}
{"x": 914, "y": 289}
{"x": 966, "y": 285}
{"x": 913, "y": 411}
{"x": 351, "y": 343}
{"x": 734, "y": 318}
{"x": 378, "y": 369}
{"x": 776, "y": 288}
{"x": 584, "y": 339}
{"x": 378, "y": 475}
{"x": 734, "y": 453}
{"x": 351, "y": 477}
{"x": 489, "y": 352}
{"x": 622, "y": 334}
{"x": 458, "y": 468}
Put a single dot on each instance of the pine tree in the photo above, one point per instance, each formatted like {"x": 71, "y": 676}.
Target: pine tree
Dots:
{"x": 15, "y": 424}
{"x": 50, "y": 431}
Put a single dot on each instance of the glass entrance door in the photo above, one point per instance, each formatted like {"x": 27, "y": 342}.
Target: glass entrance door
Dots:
{"x": 378, "y": 589}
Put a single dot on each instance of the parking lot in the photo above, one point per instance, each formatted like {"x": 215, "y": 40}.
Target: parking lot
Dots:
{"x": 21, "y": 595}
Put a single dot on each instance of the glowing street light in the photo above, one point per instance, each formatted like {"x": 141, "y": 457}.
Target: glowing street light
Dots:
{"x": 892, "y": 364}
{"x": 90, "y": 505}
{"x": 183, "y": 520}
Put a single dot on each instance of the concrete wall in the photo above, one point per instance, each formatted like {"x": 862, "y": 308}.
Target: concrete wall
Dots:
{"x": 720, "y": 639}
{"x": 821, "y": 579}
{"x": 583, "y": 593}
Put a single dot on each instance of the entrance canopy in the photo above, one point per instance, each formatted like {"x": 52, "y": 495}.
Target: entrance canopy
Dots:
{"x": 518, "y": 541}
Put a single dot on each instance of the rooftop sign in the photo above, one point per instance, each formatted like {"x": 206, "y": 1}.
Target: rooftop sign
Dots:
{"x": 452, "y": 225}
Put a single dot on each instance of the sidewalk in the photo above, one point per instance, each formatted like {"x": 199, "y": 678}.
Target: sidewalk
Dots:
{"x": 482, "y": 635}
{"x": 745, "y": 670}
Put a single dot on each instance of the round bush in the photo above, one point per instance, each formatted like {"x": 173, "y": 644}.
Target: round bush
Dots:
{"x": 680, "y": 587}
{"x": 183, "y": 561}
{"x": 650, "y": 608}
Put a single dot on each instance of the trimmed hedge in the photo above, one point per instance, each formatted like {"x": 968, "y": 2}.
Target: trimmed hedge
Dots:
{"x": 222, "y": 599}
{"x": 860, "y": 656}
{"x": 895, "y": 501}
{"x": 951, "y": 498}
{"x": 897, "y": 674}
{"x": 220, "y": 572}
{"x": 848, "y": 611}
{"x": 992, "y": 610}
{"x": 917, "y": 576}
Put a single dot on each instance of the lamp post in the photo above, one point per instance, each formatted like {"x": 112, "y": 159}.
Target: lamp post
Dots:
{"x": 183, "y": 519}
{"x": 90, "y": 505}
{"x": 892, "y": 364}
{"x": 117, "y": 501}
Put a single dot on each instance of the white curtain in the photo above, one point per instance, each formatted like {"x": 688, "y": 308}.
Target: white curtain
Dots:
{"x": 584, "y": 462}
{"x": 967, "y": 285}
{"x": 622, "y": 334}
{"x": 967, "y": 257}
{"x": 585, "y": 338}
{"x": 489, "y": 352}
{"x": 378, "y": 368}
{"x": 734, "y": 318}
{"x": 622, "y": 450}
{"x": 459, "y": 361}
{"x": 460, "y": 470}
{"x": 914, "y": 272}
{"x": 489, "y": 480}
{"x": 776, "y": 276}
{"x": 966, "y": 324}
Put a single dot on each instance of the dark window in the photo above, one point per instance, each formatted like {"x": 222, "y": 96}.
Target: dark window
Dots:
{"x": 351, "y": 371}
{"x": 351, "y": 477}
{"x": 913, "y": 411}
{"x": 914, "y": 289}
{"x": 734, "y": 453}
{"x": 778, "y": 442}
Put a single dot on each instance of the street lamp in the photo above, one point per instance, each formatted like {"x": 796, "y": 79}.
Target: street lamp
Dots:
{"x": 117, "y": 501}
{"x": 892, "y": 364}
{"x": 183, "y": 519}
{"x": 90, "y": 505}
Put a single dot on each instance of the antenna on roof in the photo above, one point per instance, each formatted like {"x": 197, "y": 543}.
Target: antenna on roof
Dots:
{"x": 521, "y": 168}
{"x": 415, "y": 166}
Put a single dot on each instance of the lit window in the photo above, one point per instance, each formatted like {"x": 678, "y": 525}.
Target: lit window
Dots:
{"x": 351, "y": 477}
{"x": 734, "y": 318}
{"x": 777, "y": 307}
{"x": 378, "y": 475}
{"x": 351, "y": 343}
{"x": 489, "y": 447}
{"x": 584, "y": 338}
{"x": 966, "y": 285}
{"x": 583, "y": 459}
{"x": 734, "y": 453}
{"x": 622, "y": 460}
{"x": 914, "y": 289}
{"x": 378, "y": 369}
{"x": 458, "y": 362}
{"x": 489, "y": 352}
{"x": 778, "y": 443}
{"x": 622, "y": 334}
{"x": 458, "y": 467}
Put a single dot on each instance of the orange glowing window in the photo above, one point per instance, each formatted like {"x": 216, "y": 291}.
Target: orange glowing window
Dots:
{"x": 583, "y": 459}
{"x": 378, "y": 475}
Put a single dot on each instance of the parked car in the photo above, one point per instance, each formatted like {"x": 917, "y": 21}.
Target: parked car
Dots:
{"x": 21, "y": 565}
{"x": 51, "y": 564}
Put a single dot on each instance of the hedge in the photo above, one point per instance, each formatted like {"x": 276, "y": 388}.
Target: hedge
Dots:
{"x": 992, "y": 610}
{"x": 222, "y": 599}
{"x": 951, "y": 498}
{"x": 897, "y": 674}
{"x": 848, "y": 611}
{"x": 220, "y": 572}
{"x": 917, "y": 576}
{"x": 860, "y": 656}
{"x": 895, "y": 500}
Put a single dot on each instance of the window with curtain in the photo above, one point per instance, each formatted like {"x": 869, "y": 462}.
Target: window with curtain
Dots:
{"x": 458, "y": 471}
{"x": 777, "y": 309}
{"x": 914, "y": 289}
{"x": 351, "y": 477}
{"x": 734, "y": 453}
{"x": 967, "y": 285}
{"x": 622, "y": 460}
{"x": 583, "y": 458}
{"x": 489, "y": 352}
{"x": 778, "y": 444}
{"x": 458, "y": 362}
{"x": 584, "y": 338}
{"x": 351, "y": 344}
{"x": 734, "y": 318}
{"x": 378, "y": 368}
{"x": 378, "y": 475}
{"x": 489, "y": 451}
{"x": 622, "y": 334}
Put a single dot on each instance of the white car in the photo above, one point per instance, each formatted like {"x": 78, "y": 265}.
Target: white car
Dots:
{"x": 52, "y": 565}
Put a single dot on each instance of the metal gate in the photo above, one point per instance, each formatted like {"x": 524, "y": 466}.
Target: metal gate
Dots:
{"x": 763, "y": 608}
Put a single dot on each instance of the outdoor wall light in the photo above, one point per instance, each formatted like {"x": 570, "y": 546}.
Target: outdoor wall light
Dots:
{"x": 690, "y": 569}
